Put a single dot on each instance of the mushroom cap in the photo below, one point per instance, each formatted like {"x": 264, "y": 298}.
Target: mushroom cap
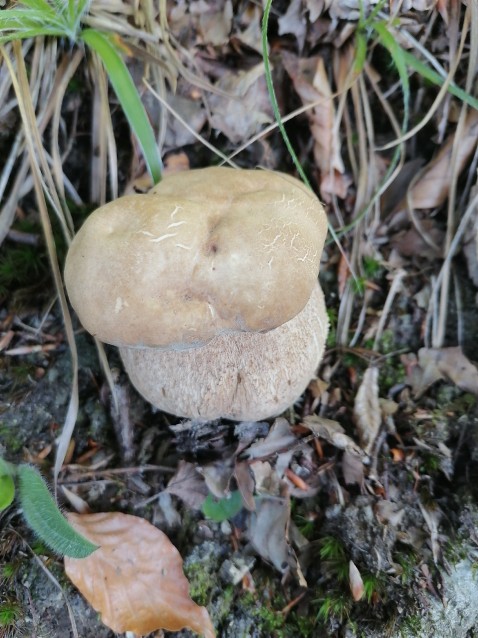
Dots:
{"x": 206, "y": 252}
{"x": 242, "y": 376}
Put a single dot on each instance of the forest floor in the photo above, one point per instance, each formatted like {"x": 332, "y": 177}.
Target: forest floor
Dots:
{"x": 355, "y": 513}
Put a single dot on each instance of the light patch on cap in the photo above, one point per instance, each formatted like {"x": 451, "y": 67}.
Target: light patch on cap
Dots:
{"x": 120, "y": 304}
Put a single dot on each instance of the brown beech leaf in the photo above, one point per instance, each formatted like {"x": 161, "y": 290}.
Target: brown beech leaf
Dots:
{"x": 268, "y": 531}
{"x": 451, "y": 364}
{"x": 332, "y": 432}
{"x": 433, "y": 186}
{"x": 135, "y": 579}
{"x": 188, "y": 485}
{"x": 310, "y": 80}
{"x": 368, "y": 415}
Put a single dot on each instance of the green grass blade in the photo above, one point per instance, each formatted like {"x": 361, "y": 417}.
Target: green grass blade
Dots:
{"x": 45, "y": 519}
{"x": 278, "y": 118}
{"x": 272, "y": 94}
{"x": 360, "y": 51}
{"x": 396, "y": 52}
{"x": 38, "y": 5}
{"x": 127, "y": 94}
{"x": 435, "y": 78}
{"x": 18, "y": 24}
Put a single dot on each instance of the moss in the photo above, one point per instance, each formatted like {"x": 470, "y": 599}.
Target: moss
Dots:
{"x": 270, "y": 622}
{"x": 411, "y": 626}
{"x": 201, "y": 569}
{"x": 9, "y": 439}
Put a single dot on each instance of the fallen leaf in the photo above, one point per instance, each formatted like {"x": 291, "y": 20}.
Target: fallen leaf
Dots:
{"x": 279, "y": 439}
{"x": 389, "y": 513}
{"x": 309, "y": 77}
{"x": 470, "y": 247}
{"x": 368, "y": 416}
{"x": 268, "y": 533}
{"x": 215, "y": 22}
{"x": 265, "y": 477}
{"x": 436, "y": 364}
{"x": 218, "y": 477}
{"x": 332, "y": 432}
{"x": 135, "y": 579}
{"x": 250, "y": 22}
{"x": 428, "y": 243}
{"x": 355, "y": 582}
{"x": 177, "y": 135}
{"x": 245, "y": 484}
{"x": 433, "y": 186}
{"x": 188, "y": 485}
{"x": 293, "y": 21}
{"x": 352, "y": 468}
{"x": 432, "y": 515}
{"x": 243, "y": 114}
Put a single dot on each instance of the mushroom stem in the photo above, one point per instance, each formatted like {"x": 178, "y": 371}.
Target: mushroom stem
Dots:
{"x": 242, "y": 376}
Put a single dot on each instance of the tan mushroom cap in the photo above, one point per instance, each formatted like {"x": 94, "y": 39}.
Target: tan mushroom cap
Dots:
{"x": 241, "y": 376}
{"x": 206, "y": 252}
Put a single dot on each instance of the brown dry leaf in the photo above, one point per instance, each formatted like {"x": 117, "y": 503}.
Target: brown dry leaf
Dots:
{"x": 192, "y": 112}
{"x": 412, "y": 243}
{"x": 352, "y": 468}
{"x": 432, "y": 188}
{"x": 266, "y": 479}
{"x": 470, "y": 247}
{"x": 268, "y": 533}
{"x": 435, "y": 364}
{"x": 368, "y": 415}
{"x": 355, "y": 582}
{"x": 311, "y": 83}
{"x": 250, "y": 22}
{"x": 188, "y": 485}
{"x": 389, "y": 513}
{"x": 245, "y": 484}
{"x": 332, "y": 432}
{"x": 279, "y": 439}
{"x": 293, "y": 21}
{"x": 432, "y": 515}
{"x": 242, "y": 115}
{"x": 343, "y": 274}
{"x": 135, "y": 579}
{"x": 215, "y": 21}
{"x": 218, "y": 476}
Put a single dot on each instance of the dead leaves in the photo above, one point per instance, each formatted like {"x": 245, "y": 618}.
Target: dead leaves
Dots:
{"x": 367, "y": 410}
{"x": 135, "y": 579}
{"x": 247, "y": 109}
{"x": 268, "y": 533}
{"x": 435, "y": 364}
{"x": 433, "y": 185}
{"x": 309, "y": 77}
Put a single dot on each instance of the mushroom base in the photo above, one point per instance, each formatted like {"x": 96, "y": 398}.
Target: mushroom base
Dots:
{"x": 241, "y": 376}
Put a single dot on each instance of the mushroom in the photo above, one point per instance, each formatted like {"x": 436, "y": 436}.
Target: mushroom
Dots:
{"x": 208, "y": 285}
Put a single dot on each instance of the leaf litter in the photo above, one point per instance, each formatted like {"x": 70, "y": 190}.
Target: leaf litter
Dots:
{"x": 360, "y": 471}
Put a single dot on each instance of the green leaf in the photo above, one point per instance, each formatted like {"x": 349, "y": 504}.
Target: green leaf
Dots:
{"x": 45, "y": 519}
{"x": 127, "y": 94}
{"x": 223, "y": 508}
{"x": 7, "y": 491}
